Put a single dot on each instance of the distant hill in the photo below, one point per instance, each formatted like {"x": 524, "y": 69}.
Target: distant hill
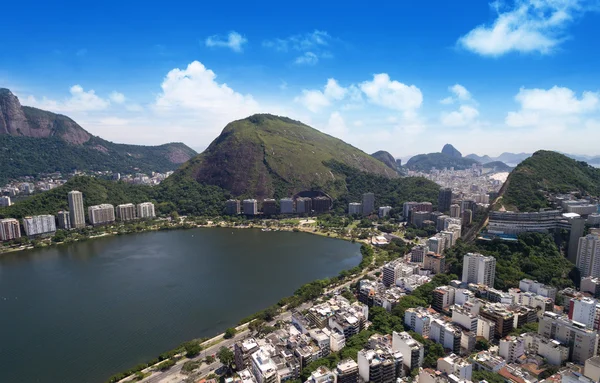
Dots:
{"x": 451, "y": 151}
{"x": 34, "y": 141}
{"x": 270, "y": 156}
{"x": 386, "y": 158}
{"x": 548, "y": 172}
{"x": 498, "y": 165}
{"x": 426, "y": 162}
{"x": 481, "y": 159}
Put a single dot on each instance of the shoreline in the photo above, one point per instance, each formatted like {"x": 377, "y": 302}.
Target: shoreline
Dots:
{"x": 301, "y": 228}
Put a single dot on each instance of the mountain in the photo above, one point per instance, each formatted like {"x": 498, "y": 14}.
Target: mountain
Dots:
{"x": 451, "y": 151}
{"x": 426, "y": 162}
{"x": 481, "y": 159}
{"x": 269, "y": 156}
{"x": 386, "y": 158}
{"x": 512, "y": 158}
{"x": 498, "y": 165}
{"x": 548, "y": 172}
{"x": 34, "y": 141}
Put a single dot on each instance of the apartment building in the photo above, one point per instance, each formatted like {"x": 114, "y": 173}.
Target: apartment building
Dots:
{"x": 479, "y": 269}
{"x": 582, "y": 342}
{"x": 9, "y": 229}
{"x": 145, "y": 210}
{"x": 39, "y": 226}
{"x": 126, "y": 212}
{"x": 412, "y": 351}
{"x": 76, "y": 211}
{"x": 101, "y": 214}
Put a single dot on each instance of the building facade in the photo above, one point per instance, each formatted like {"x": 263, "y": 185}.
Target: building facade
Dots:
{"x": 479, "y": 269}
{"x": 145, "y": 210}
{"x": 250, "y": 206}
{"x": 39, "y": 226}
{"x": 368, "y": 203}
{"x": 64, "y": 220}
{"x": 233, "y": 207}
{"x": 588, "y": 256}
{"x": 126, "y": 212}
{"x": 9, "y": 229}
{"x": 76, "y": 211}
{"x": 101, "y": 214}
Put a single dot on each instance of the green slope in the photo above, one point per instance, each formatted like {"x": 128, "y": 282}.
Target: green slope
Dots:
{"x": 548, "y": 172}
{"x": 425, "y": 162}
{"x": 386, "y": 158}
{"x": 27, "y": 156}
{"x": 265, "y": 155}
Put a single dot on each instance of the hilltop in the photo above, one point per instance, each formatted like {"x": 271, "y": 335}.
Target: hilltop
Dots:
{"x": 270, "y": 156}
{"x": 35, "y": 141}
{"x": 449, "y": 157}
{"x": 451, "y": 151}
{"x": 386, "y": 158}
{"x": 548, "y": 172}
{"x": 498, "y": 165}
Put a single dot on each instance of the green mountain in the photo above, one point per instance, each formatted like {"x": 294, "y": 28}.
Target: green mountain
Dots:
{"x": 498, "y": 165}
{"x": 451, "y": 151}
{"x": 34, "y": 141}
{"x": 426, "y": 162}
{"x": 386, "y": 158}
{"x": 548, "y": 172}
{"x": 269, "y": 156}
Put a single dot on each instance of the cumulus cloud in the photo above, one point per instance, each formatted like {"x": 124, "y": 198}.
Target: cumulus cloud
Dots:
{"x": 528, "y": 26}
{"x": 233, "y": 41}
{"x": 465, "y": 115}
{"x": 556, "y": 104}
{"x": 315, "y": 100}
{"x": 392, "y": 94}
{"x": 117, "y": 98}
{"x": 80, "y": 101}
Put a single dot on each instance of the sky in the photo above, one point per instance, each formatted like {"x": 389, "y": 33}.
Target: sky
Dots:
{"x": 402, "y": 76}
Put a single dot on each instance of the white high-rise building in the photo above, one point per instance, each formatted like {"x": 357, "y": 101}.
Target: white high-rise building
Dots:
{"x": 584, "y": 310}
{"x": 145, "y": 210}
{"x": 9, "y": 229}
{"x": 126, "y": 212}
{"x": 511, "y": 348}
{"x": 588, "y": 256}
{"x": 64, "y": 220}
{"x": 354, "y": 208}
{"x": 101, "y": 214}
{"x": 250, "y": 206}
{"x": 5, "y": 201}
{"x": 384, "y": 211}
{"x": 413, "y": 352}
{"x": 76, "y": 209}
{"x": 479, "y": 269}
{"x": 39, "y": 225}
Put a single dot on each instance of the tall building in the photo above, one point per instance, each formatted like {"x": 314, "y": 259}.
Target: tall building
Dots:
{"x": 455, "y": 211}
{"x": 5, "y": 201}
{"x": 412, "y": 351}
{"x": 435, "y": 262}
{"x": 9, "y": 229}
{"x": 250, "y": 207}
{"x": 384, "y": 211}
{"x": 479, "y": 269}
{"x": 286, "y": 206}
{"x": 354, "y": 208}
{"x": 101, "y": 214}
{"x": 145, "y": 210}
{"x": 417, "y": 254}
{"x": 39, "y": 226}
{"x": 588, "y": 256}
{"x": 585, "y": 311}
{"x": 347, "y": 371}
{"x": 232, "y": 207}
{"x": 437, "y": 244}
{"x": 368, "y": 203}
{"x": 467, "y": 217}
{"x": 126, "y": 212}
{"x": 418, "y": 218}
{"x": 303, "y": 205}
{"x": 380, "y": 365}
{"x": 76, "y": 209}
{"x": 269, "y": 206}
{"x": 445, "y": 200}
{"x": 64, "y": 220}
{"x": 321, "y": 204}
{"x": 582, "y": 342}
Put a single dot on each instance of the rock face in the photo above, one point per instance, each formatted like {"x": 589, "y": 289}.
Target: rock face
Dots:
{"x": 451, "y": 151}
{"x": 17, "y": 120}
{"x": 386, "y": 158}
{"x": 270, "y": 156}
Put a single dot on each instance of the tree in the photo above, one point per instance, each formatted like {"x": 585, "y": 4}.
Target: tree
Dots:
{"x": 488, "y": 376}
{"x": 229, "y": 333}
{"x": 434, "y": 352}
{"x": 226, "y": 357}
{"x": 192, "y": 349}
{"x": 209, "y": 359}
{"x": 256, "y": 325}
{"x": 482, "y": 345}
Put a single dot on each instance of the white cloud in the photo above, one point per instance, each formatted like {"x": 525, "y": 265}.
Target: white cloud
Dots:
{"x": 392, "y": 94}
{"x": 308, "y": 58}
{"x": 551, "y": 106}
{"x": 80, "y": 101}
{"x": 334, "y": 91}
{"x": 117, "y": 98}
{"x": 313, "y": 100}
{"x": 460, "y": 92}
{"x": 447, "y": 101}
{"x": 529, "y": 26}
{"x": 300, "y": 42}
{"x": 336, "y": 126}
{"x": 464, "y": 116}
{"x": 233, "y": 41}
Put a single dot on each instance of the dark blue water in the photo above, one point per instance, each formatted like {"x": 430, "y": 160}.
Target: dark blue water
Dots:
{"x": 82, "y": 312}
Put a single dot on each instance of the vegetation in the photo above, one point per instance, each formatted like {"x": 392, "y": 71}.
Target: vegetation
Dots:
{"x": 265, "y": 155}
{"x": 192, "y": 349}
{"x": 229, "y": 333}
{"x": 163, "y": 366}
{"x": 386, "y": 158}
{"x": 190, "y": 366}
{"x": 488, "y": 376}
{"x": 425, "y": 162}
{"x": 548, "y": 172}
{"x": 226, "y": 357}
{"x": 534, "y": 256}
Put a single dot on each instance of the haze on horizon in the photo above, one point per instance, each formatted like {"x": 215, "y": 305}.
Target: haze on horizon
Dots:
{"x": 511, "y": 76}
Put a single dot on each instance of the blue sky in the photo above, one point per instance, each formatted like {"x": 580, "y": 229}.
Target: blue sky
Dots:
{"x": 403, "y": 76}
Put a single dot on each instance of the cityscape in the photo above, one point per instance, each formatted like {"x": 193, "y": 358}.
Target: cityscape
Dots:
{"x": 300, "y": 192}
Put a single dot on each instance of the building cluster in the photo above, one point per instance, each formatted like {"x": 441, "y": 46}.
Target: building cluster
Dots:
{"x": 28, "y": 186}
{"x": 269, "y": 207}
{"x": 41, "y": 226}
{"x": 367, "y": 207}
{"x": 154, "y": 178}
